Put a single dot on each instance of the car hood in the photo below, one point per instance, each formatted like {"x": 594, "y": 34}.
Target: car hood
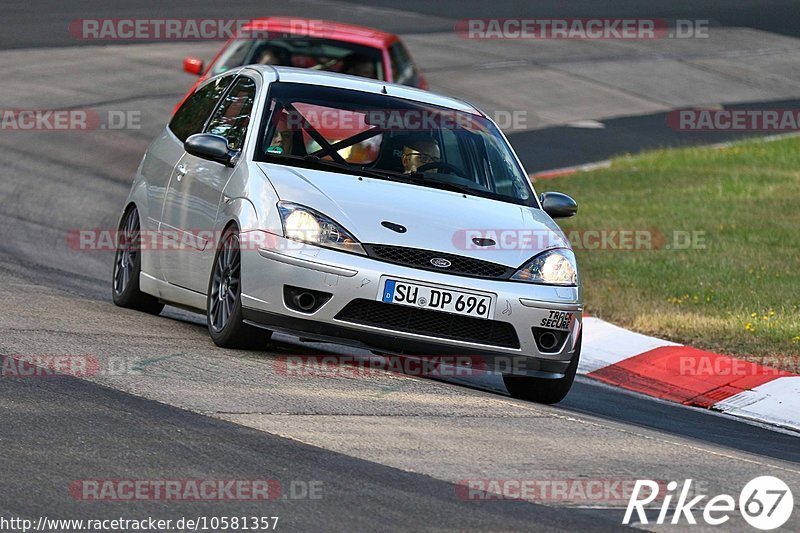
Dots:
{"x": 435, "y": 219}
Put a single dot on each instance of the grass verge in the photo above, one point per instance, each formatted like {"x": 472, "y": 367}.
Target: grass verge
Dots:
{"x": 724, "y": 271}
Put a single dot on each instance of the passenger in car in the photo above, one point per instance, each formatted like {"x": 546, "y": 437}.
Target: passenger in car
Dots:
{"x": 282, "y": 139}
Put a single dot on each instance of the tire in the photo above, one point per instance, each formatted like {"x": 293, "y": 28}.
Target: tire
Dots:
{"x": 128, "y": 265}
{"x": 224, "y": 299}
{"x": 542, "y": 390}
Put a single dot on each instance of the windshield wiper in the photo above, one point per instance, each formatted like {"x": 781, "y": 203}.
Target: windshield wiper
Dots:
{"x": 326, "y": 164}
{"x": 419, "y": 178}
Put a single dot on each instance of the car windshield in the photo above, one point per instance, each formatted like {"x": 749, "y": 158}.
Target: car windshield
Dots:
{"x": 390, "y": 138}
{"x": 302, "y": 52}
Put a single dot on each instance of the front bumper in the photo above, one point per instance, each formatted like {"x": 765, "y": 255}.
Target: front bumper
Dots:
{"x": 349, "y": 277}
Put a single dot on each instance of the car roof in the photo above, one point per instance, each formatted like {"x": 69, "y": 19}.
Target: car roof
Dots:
{"x": 325, "y": 29}
{"x": 344, "y": 81}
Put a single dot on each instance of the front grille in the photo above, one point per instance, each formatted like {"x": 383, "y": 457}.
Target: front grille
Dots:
{"x": 459, "y": 265}
{"x": 409, "y": 319}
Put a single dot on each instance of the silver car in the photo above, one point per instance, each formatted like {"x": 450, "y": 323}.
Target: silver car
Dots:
{"x": 343, "y": 209}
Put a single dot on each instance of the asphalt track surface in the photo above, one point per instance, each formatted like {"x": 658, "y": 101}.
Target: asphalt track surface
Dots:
{"x": 125, "y": 437}
{"x": 44, "y": 23}
{"x": 565, "y": 146}
{"x": 387, "y": 448}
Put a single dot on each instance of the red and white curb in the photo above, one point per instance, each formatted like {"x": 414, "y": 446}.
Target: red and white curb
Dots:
{"x": 689, "y": 376}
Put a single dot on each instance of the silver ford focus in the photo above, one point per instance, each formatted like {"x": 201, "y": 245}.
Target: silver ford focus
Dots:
{"x": 343, "y": 209}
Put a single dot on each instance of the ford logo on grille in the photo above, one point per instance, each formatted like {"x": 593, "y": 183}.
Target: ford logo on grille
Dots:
{"x": 441, "y": 263}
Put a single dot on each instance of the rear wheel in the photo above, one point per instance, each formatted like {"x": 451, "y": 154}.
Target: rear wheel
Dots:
{"x": 224, "y": 301}
{"x": 127, "y": 267}
{"x": 542, "y": 390}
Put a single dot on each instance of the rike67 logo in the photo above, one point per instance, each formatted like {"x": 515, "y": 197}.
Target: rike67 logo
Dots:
{"x": 765, "y": 503}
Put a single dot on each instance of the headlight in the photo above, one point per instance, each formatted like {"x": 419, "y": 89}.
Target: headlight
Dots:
{"x": 303, "y": 224}
{"x": 553, "y": 267}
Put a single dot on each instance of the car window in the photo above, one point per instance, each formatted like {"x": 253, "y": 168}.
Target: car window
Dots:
{"x": 402, "y": 65}
{"x": 233, "y": 56}
{"x": 452, "y": 150}
{"x": 500, "y": 165}
{"x": 232, "y": 117}
{"x": 390, "y": 138}
{"x": 334, "y": 125}
{"x": 318, "y": 54}
{"x": 192, "y": 115}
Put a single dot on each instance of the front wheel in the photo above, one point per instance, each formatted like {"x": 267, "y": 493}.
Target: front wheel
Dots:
{"x": 542, "y": 390}
{"x": 128, "y": 265}
{"x": 224, "y": 301}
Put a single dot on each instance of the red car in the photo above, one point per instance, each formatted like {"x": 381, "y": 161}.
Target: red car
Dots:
{"x": 316, "y": 44}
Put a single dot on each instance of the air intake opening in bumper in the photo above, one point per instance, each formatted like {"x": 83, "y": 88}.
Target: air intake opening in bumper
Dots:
{"x": 408, "y": 319}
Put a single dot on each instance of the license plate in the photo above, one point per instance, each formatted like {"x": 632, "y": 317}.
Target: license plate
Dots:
{"x": 437, "y": 298}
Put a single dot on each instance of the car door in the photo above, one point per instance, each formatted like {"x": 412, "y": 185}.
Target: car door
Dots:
{"x": 194, "y": 194}
{"x": 190, "y": 118}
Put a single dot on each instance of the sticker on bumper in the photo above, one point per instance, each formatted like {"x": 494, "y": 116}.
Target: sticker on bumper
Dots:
{"x": 557, "y": 320}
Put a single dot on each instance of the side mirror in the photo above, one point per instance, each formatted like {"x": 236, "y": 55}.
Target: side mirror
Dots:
{"x": 193, "y": 65}
{"x": 211, "y": 147}
{"x": 558, "y": 205}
